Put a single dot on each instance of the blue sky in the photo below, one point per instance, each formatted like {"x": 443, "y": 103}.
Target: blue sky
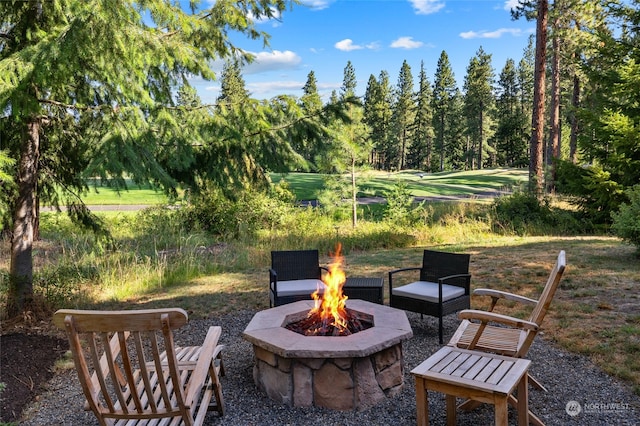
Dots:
{"x": 375, "y": 35}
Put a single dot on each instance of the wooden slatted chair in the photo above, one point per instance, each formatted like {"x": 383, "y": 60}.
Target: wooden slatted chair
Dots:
{"x": 294, "y": 275}
{"x": 132, "y": 373}
{"x": 443, "y": 286}
{"x": 488, "y": 331}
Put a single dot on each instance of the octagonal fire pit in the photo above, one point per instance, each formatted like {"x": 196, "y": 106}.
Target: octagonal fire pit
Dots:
{"x": 341, "y": 372}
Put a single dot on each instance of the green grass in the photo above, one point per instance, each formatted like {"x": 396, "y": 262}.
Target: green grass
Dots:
{"x": 306, "y": 186}
{"x": 376, "y": 183}
{"x": 101, "y": 193}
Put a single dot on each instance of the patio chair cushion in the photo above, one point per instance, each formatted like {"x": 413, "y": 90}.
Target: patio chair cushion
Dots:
{"x": 299, "y": 287}
{"x": 428, "y": 291}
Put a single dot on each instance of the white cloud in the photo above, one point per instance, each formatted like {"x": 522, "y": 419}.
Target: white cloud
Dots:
{"x": 406, "y": 43}
{"x": 317, "y": 4}
{"x": 347, "y": 45}
{"x": 510, "y": 4}
{"x": 491, "y": 34}
{"x": 258, "y": 89}
{"x": 426, "y": 7}
{"x": 271, "y": 61}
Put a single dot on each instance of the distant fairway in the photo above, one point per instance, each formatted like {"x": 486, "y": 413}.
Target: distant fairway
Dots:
{"x": 376, "y": 183}
{"x": 306, "y": 186}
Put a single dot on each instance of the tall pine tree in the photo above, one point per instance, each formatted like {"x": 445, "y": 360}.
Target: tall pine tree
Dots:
{"x": 444, "y": 90}
{"x": 421, "y": 150}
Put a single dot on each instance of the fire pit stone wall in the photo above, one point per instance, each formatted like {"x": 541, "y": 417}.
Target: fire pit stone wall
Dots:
{"x": 337, "y": 372}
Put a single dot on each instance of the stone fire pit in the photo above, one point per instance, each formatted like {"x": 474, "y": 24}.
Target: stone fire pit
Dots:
{"x": 339, "y": 372}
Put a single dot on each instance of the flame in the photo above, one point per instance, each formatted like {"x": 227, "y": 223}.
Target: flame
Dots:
{"x": 330, "y": 306}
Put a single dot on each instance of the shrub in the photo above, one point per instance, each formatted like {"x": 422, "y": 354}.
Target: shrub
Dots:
{"x": 240, "y": 217}
{"x": 626, "y": 221}
{"x": 520, "y": 212}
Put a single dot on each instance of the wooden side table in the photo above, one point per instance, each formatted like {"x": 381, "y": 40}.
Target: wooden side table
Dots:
{"x": 473, "y": 375}
{"x": 369, "y": 289}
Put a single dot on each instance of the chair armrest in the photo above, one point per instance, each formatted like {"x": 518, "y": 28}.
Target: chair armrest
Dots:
{"x": 443, "y": 280}
{"x": 210, "y": 349}
{"x": 486, "y": 317}
{"x": 273, "y": 279}
{"x": 497, "y": 295}
{"x": 395, "y": 271}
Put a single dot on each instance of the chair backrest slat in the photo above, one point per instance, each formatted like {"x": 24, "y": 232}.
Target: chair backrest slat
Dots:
{"x": 115, "y": 373}
{"x": 541, "y": 308}
{"x": 148, "y": 387}
{"x": 173, "y": 364}
{"x": 296, "y": 264}
{"x": 437, "y": 264}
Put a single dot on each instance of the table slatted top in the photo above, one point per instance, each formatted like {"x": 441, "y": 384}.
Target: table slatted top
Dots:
{"x": 478, "y": 370}
{"x": 363, "y": 282}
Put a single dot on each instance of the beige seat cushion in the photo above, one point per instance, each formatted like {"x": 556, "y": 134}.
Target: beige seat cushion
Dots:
{"x": 428, "y": 291}
{"x": 299, "y": 287}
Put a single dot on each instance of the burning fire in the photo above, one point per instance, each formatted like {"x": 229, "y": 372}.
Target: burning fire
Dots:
{"x": 330, "y": 306}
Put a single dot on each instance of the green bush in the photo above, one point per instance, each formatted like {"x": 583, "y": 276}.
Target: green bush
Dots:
{"x": 62, "y": 285}
{"x": 626, "y": 221}
{"x": 241, "y": 217}
{"x": 597, "y": 193}
{"x": 520, "y": 212}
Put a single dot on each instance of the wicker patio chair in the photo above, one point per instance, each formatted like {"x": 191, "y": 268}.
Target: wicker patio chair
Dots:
{"x": 443, "y": 286}
{"x": 294, "y": 275}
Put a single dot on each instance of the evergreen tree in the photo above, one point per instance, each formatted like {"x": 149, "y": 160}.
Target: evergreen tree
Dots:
{"x": 86, "y": 78}
{"x": 310, "y": 146}
{"x": 377, "y": 116}
{"x": 403, "y": 114}
{"x": 458, "y": 153}
{"x": 536, "y": 144}
{"x": 420, "y": 152}
{"x": 349, "y": 147}
{"x": 311, "y": 101}
{"x": 233, "y": 93}
{"x": 479, "y": 103}
{"x": 511, "y": 148}
{"x": 525, "y": 72}
{"x": 349, "y": 82}
{"x": 444, "y": 90}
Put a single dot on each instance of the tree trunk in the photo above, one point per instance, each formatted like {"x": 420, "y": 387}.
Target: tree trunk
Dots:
{"x": 21, "y": 269}
{"x": 480, "y": 146}
{"x": 575, "y": 103}
{"x": 354, "y": 191}
{"x": 537, "y": 116}
{"x": 442, "y": 142}
{"x": 553, "y": 152}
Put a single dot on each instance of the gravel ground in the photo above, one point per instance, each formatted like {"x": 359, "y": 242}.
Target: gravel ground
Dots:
{"x": 568, "y": 377}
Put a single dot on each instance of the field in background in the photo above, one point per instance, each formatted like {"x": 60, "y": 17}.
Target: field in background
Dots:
{"x": 372, "y": 183}
{"x": 420, "y": 184}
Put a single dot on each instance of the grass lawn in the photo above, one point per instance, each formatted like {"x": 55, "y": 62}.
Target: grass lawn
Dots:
{"x": 419, "y": 184}
{"x": 371, "y": 183}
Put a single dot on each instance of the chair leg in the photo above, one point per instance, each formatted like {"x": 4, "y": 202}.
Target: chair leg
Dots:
{"x": 440, "y": 329}
{"x": 533, "y": 419}
{"x": 536, "y": 384}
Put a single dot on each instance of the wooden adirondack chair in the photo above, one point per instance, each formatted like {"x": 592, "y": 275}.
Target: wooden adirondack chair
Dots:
{"x": 132, "y": 373}
{"x": 508, "y": 335}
